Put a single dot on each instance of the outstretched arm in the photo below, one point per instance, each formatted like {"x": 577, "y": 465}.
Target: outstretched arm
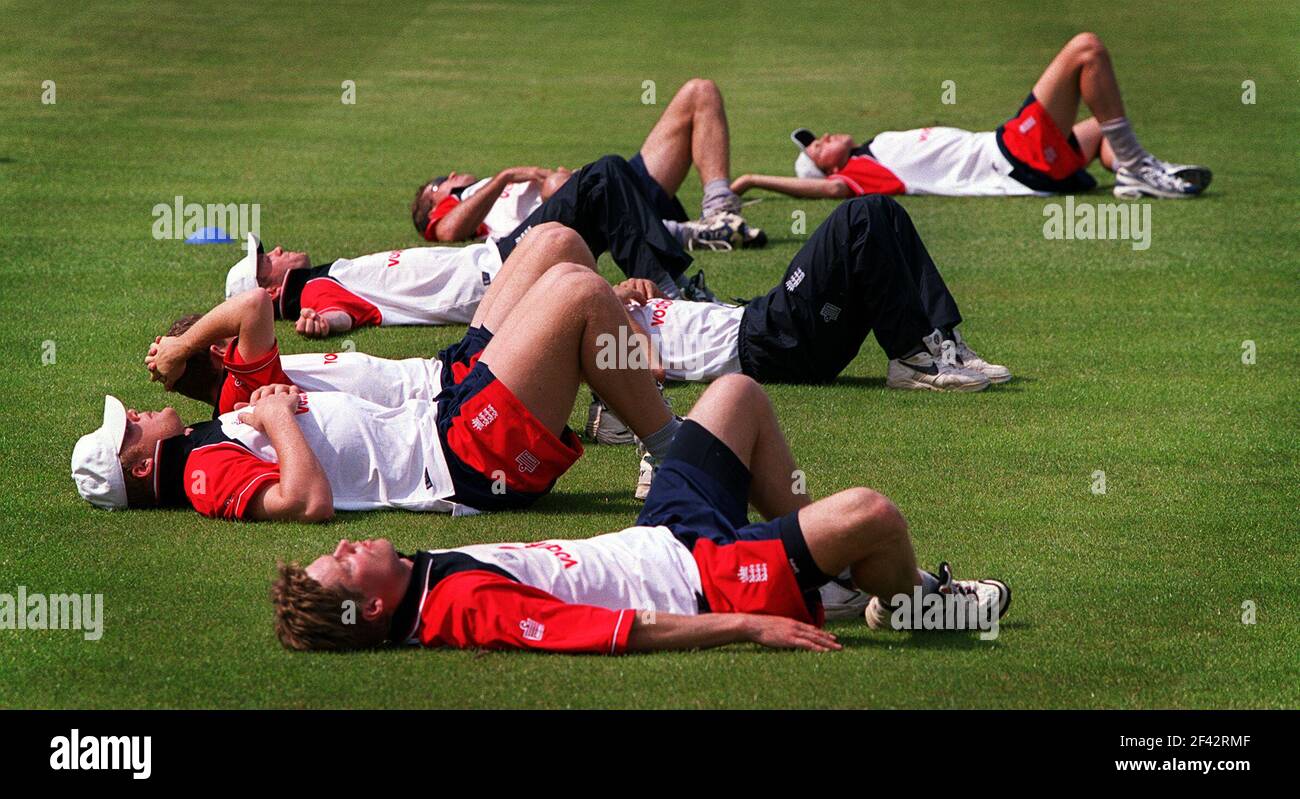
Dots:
{"x": 664, "y": 631}
{"x": 811, "y": 188}
{"x": 464, "y": 219}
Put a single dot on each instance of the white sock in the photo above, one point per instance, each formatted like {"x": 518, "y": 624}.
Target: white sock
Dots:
{"x": 1123, "y": 141}
{"x": 660, "y": 440}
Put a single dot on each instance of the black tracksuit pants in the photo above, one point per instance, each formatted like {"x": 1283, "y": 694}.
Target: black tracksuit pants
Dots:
{"x": 864, "y": 269}
{"x": 605, "y": 203}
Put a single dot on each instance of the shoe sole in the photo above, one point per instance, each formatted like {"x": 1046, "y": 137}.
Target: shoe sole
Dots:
{"x": 1198, "y": 176}
{"x": 917, "y": 384}
{"x": 1005, "y": 590}
{"x": 1136, "y": 192}
{"x": 999, "y": 379}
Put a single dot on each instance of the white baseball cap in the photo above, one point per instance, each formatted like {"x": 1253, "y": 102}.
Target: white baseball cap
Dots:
{"x": 243, "y": 275}
{"x": 804, "y": 166}
{"x": 96, "y": 468}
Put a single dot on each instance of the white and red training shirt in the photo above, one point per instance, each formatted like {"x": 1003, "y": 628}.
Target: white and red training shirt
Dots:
{"x": 374, "y": 456}
{"x": 945, "y": 161}
{"x": 516, "y": 202}
{"x": 383, "y": 381}
{"x": 696, "y": 341}
{"x": 557, "y": 595}
{"x": 415, "y": 286}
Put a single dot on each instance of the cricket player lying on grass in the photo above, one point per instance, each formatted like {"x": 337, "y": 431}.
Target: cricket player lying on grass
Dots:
{"x": 692, "y": 573}
{"x": 1040, "y": 151}
{"x": 691, "y": 131}
{"x": 864, "y": 269}
{"x": 444, "y": 285}
{"x": 223, "y": 356}
{"x": 495, "y": 440}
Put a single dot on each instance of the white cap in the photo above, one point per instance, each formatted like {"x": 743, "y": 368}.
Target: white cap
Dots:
{"x": 243, "y": 275}
{"x": 96, "y": 469}
{"x": 804, "y": 166}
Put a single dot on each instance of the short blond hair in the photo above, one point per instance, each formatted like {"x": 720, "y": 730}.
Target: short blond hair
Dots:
{"x": 310, "y": 616}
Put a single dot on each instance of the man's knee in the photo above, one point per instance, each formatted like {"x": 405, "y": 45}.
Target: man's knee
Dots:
{"x": 578, "y": 285}
{"x": 862, "y": 210}
{"x": 1087, "y": 48}
{"x": 560, "y": 241}
{"x": 872, "y": 515}
{"x": 702, "y": 92}
{"x": 738, "y": 391}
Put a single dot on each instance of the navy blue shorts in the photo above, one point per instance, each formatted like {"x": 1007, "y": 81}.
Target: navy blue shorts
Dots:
{"x": 500, "y": 456}
{"x": 667, "y": 206}
{"x": 701, "y": 492}
{"x": 459, "y": 358}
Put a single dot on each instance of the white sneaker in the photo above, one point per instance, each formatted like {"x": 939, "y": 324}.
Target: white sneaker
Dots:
{"x": 646, "y": 469}
{"x": 969, "y": 360}
{"x": 924, "y": 371}
{"x": 1148, "y": 178}
{"x": 842, "y": 600}
{"x": 1195, "y": 174}
{"x": 987, "y": 595}
{"x": 603, "y": 426}
{"x": 722, "y": 231}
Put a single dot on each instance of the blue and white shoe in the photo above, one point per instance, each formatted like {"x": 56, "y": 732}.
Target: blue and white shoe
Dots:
{"x": 1150, "y": 178}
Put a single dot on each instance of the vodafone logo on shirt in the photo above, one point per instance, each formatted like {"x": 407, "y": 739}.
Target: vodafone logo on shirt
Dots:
{"x": 658, "y": 311}
{"x": 394, "y": 257}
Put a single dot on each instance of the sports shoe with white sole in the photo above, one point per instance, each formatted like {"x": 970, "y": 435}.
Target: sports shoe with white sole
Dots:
{"x": 924, "y": 371}
{"x": 970, "y": 360}
{"x": 988, "y": 595}
{"x": 646, "y": 468}
{"x": 1148, "y": 178}
{"x": 722, "y": 231}
{"x": 1195, "y": 174}
{"x": 603, "y": 426}
{"x": 842, "y": 600}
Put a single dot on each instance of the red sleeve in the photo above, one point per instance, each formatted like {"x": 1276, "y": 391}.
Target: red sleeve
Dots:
{"x": 484, "y": 609}
{"x": 442, "y": 209}
{"x": 866, "y": 175}
{"x": 221, "y": 479}
{"x": 322, "y": 294}
{"x": 245, "y": 377}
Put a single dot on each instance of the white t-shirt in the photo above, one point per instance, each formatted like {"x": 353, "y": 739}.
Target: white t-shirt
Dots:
{"x": 516, "y": 202}
{"x": 696, "y": 341}
{"x": 948, "y": 161}
{"x": 420, "y": 285}
{"x": 374, "y": 457}
{"x": 645, "y": 568}
{"x": 383, "y": 381}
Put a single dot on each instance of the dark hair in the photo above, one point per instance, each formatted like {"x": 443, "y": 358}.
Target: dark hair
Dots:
{"x": 422, "y": 206}
{"x": 201, "y": 379}
{"x": 310, "y": 616}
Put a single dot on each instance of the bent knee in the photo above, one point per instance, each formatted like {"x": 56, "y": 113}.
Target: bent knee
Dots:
{"x": 702, "y": 89}
{"x": 1088, "y": 47}
{"x": 739, "y": 386}
{"x": 873, "y": 512}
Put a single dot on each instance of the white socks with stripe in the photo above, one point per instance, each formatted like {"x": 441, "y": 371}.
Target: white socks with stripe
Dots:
{"x": 1124, "y": 142}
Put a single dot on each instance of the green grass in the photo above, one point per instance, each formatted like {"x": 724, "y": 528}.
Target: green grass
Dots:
{"x": 1127, "y": 362}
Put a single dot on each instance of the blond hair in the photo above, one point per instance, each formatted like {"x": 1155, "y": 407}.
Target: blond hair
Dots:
{"x": 310, "y": 616}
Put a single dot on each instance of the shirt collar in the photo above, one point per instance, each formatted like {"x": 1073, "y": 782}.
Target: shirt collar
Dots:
{"x": 406, "y": 619}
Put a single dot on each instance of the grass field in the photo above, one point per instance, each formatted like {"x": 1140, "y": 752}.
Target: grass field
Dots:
{"x": 1127, "y": 361}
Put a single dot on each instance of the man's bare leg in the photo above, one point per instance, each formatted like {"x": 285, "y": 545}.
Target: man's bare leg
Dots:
{"x": 544, "y": 246}
{"x": 692, "y": 129}
{"x": 856, "y": 529}
{"x": 1082, "y": 69}
{"x": 549, "y": 343}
